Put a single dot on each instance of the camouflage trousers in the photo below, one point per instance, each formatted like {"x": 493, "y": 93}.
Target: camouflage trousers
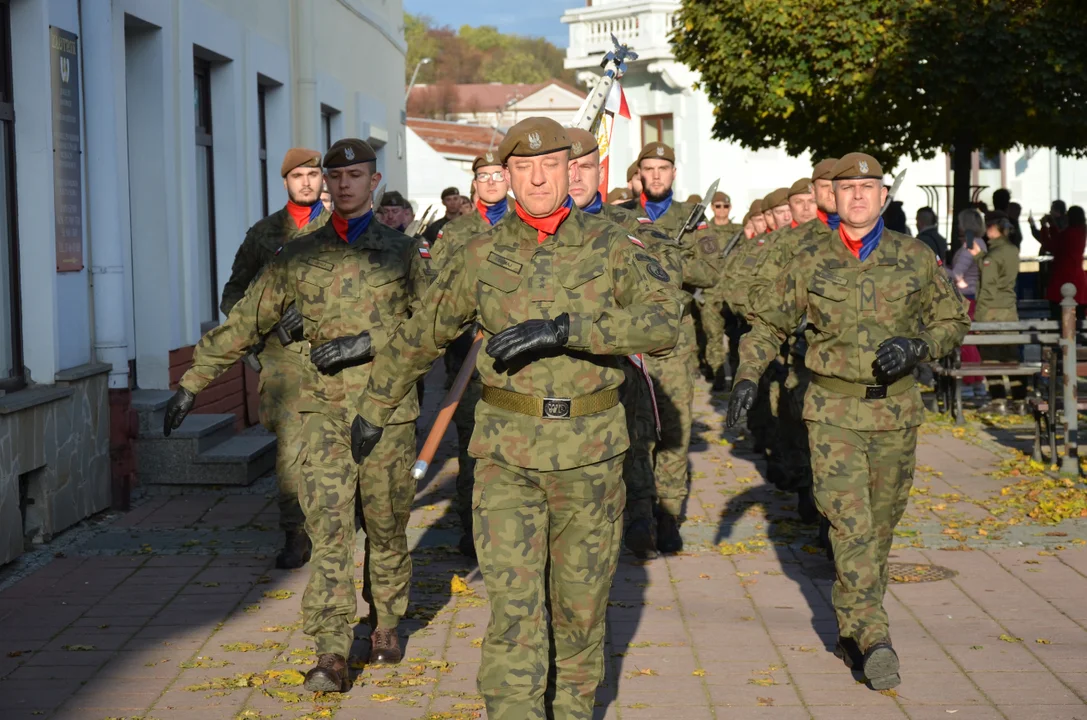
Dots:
{"x": 674, "y": 387}
{"x": 638, "y": 465}
{"x": 282, "y": 377}
{"x": 330, "y": 481}
{"x": 713, "y": 327}
{"x": 763, "y": 418}
{"x": 548, "y": 545}
{"x": 862, "y": 485}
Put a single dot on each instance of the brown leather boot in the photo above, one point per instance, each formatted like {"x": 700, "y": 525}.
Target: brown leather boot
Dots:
{"x": 385, "y": 647}
{"x": 330, "y": 675}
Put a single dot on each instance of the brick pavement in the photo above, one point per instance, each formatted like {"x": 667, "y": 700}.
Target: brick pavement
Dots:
{"x": 174, "y": 611}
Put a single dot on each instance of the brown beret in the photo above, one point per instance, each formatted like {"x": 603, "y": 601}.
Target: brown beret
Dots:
{"x": 533, "y": 136}
{"x": 822, "y": 169}
{"x": 801, "y": 187}
{"x": 632, "y": 170}
{"x": 721, "y": 197}
{"x": 756, "y": 207}
{"x": 393, "y": 198}
{"x": 298, "y": 157}
{"x": 582, "y": 143}
{"x": 487, "y": 159}
{"x": 694, "y": 199}
{"x": 349, "y": 151}
{"x": 746, "y": 218}
{"x": 657, "y": 151}
{"x": 776, "y": 199}
{"x": 856, "y": 165}
{"x": 449, "y": 192}
{"x": 619, "y": 194}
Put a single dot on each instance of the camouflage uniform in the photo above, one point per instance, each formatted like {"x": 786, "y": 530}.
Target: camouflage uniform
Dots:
{"x": 548, "y": 494}
{"x": 712, "y": 313}
{"x": 341, "y": 290}
{"x": 452, "y": 237}
{"x": 862, "y": 449}
{"x": 284, "y": 370}
{"x": 673, "y": 374}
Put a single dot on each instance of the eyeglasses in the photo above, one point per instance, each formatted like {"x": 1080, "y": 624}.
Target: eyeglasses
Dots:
{"x": 497, "y": 176}
{"x": 721, "y": 205}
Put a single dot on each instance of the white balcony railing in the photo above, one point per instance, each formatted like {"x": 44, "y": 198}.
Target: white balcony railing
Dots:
{"x": 645, "y": 25}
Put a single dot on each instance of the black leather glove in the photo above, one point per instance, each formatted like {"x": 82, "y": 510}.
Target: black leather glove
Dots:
{"x": 364, "y": 437}
{"x": 176, "y": 409}
{"x": 528, "y": 336}
{"x": 290, "y": 324}
{"x": 342, "y": 352}
{"x": 898, "y": 355}
{"x": 743, "y": 397}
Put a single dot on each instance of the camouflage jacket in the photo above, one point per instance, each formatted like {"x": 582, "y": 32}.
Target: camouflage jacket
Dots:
{"x": 781, "y": 247}
{"x": 260, "y": 245}
{"x": 741, "y": 260}
{"x": 619, "y": 299}
{"x": 998, "y": 268}
{"x": 374, "y": 284}
{"x": 456, "y": 233}
{"x": 852, "y": 307}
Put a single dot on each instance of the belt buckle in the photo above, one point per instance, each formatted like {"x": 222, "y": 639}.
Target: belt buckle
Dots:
{"x": 556, "y": 408}
{"x": 875, "y": 392}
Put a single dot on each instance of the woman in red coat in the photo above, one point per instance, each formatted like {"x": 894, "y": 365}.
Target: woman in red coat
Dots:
{"x": 1066, "y": 246}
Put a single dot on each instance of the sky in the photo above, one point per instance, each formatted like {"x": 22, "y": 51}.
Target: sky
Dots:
{"x": 534, "y": 18}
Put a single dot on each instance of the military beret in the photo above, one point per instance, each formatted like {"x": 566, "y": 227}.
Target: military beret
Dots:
{"x": 822, "y": 169}
{"x": 856, "y": 165}
{"x": 694, "y": 199}
{"x": 349, "y": 151}
{"x": 756, "y": 207}
{"x": 393, "y": 198}
{"x": 619, "y": 194}
{"x": 487, "y": 159}
{"x": 746, "y": 218}
{"x": 449, "y": 192}
{"x": 632, "y": 170}
{"x": 297, "y": 157}
{"x": 533, "y": 136}
{"x": 800, "y": 187}
{"x": 721, "y": 197}
{"x": 582, "y": 143}
{"x": 657, "y": 151}
{"x": 776, "y": 199}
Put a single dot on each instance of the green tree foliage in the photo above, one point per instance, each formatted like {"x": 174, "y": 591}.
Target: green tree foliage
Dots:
{"x": 895, "y": 78}
{"x": 479, "y": 55}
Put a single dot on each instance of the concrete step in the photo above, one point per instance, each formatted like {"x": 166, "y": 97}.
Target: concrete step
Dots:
{"x": 149, "y": 406}
{"x": 170, "y": 460}
{"x": 238, "y": 461}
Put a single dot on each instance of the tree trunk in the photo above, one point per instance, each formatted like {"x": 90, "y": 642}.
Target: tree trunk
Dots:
{"x": 961, "y": 171}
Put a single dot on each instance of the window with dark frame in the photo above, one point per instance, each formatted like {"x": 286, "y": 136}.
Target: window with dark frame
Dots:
{"x": 205, "y": 185}
{"x": 11, "y": 331}
{"x": 326, "y": 126}
{"x": 657, "y": 128}
{"x": 262, "y": 153}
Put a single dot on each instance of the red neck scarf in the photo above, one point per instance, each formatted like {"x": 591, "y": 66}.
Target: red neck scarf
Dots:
{"x": 853, "y": 246}
{"x": 545, "y": 226}
{"x": 794, "y": 224}
{"x": 302, "y": 214}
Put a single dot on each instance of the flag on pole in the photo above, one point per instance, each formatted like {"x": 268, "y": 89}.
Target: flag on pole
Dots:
{"x": 616, "y": 104}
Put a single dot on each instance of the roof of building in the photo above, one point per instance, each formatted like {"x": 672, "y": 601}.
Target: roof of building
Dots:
{"x": 481, "y": 97}
{"x": 452, "y": 138}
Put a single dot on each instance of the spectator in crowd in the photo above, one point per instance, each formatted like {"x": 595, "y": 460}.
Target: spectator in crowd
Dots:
{"x": 998, "y": 267}
{"x": 964, "y": 273}
{"x": 466, "y": 206}
{"x": 929, "y": 235}
{"x": 894, "y": 218}
{"x": 1057, "y": 219}
{"x": 1002, "y": 201}
{"x": 451, "y": 200}
{"x": 1066, "y": 245}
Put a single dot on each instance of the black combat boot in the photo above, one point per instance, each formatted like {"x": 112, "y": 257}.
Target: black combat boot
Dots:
{"x": 330, "y": 675}
{"x": 805, "y": 506}
{"x": 466, "y": 544}
{"x": 720, "y": 382}
{"x": 881, "y": 666}
{"x": 668, "y": 538}
{"x": 296, "y": 550}
{"x": 640, "y": 538}
{"x": 385, "y": 647}
{"x": 849, "y": 652}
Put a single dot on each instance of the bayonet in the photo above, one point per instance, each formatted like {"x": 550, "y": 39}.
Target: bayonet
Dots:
{"x": 698, "y": 213}
{"x": 893, "y": 191}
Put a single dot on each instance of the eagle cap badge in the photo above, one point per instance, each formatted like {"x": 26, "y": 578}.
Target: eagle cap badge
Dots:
{"x": 863, "y": 166}
{"x": 660, "y": 151}
{"x": 534, "y": 141}
{"x": 349, "y": 153}
{"x": 576, "y": 147}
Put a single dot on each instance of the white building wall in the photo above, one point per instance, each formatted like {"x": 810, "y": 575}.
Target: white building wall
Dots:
{"x": 429, "y": 172}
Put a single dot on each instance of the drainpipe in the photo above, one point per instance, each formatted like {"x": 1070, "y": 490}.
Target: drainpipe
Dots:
{"x": 305, "y": 76}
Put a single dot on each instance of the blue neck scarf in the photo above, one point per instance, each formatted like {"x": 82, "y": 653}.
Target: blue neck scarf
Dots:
{"x": 870, "y": 242}
{"x": 315, "y": 211}
{"x": 833, "y": 220}
{"x": 654, "y": 209}
{"x": 351, "y": 230}
{"x": 595, "y": 206}
{"x": 497, "y": 211}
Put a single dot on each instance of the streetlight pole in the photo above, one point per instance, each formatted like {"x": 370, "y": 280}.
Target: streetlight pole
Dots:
{"x": 424, "y": 61}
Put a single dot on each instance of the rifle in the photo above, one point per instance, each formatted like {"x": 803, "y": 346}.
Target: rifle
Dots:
{"x": 614, "y": 65}
{"x": 698, "y": 213}
{"x": 732, "y": 243}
